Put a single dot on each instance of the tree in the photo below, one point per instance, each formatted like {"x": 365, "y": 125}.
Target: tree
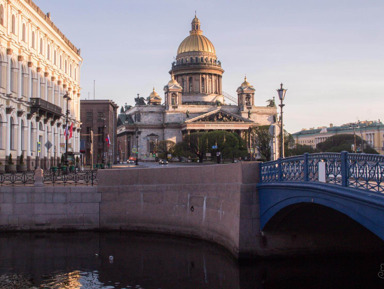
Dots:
{"x": 344, "y": 142}
{"x": 227, "y": 143}
{"x": 165, "y": 147}
{"x": 261, "y": 138}
{"x": 299, "y": 149}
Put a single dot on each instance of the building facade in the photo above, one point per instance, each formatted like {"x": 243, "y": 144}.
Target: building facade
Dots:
{"x": 193, "y": 101}
{"x": 39, "y": 65}
{"x": 98, "y": 117}
{"x": 370, "y": 131}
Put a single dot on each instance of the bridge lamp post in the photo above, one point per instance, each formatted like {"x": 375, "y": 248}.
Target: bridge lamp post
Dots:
{"x": 281, "y": 93}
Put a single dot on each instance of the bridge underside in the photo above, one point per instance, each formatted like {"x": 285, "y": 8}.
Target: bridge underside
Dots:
{"x": 321, "y": 217}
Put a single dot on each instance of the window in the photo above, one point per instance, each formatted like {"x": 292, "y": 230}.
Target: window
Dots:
{"x": 48, "y": 52}
{"x": 100, "y": 116}
{"x": 70, "y": 70}
{"x": 174, "y": 99}
{"x": 100, "y": 132}
{"x": 89, "y": 116}
{"x": 33, "y": 40}
{"x": 22, "y": 135}
{"x": 13, "y": 25}
{"x": 2, "y": 15}
{"x": 61, "y": 62}
{"x": 54, "y": 57}
{"x": 12, "y": 133}
{"x": 190, "y": 84}
{"x": 23, "y": 33}
{"x": 41, "y": 45}
{"x": 137, "y": 117}
{"x": 65, "y": 66}
{"x": 202, "y": 84}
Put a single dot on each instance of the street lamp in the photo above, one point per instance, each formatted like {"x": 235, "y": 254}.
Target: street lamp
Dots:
{"x": 66, "y": 96}
{"x": 281, "y": 93}
{"x": 354, "y": 126}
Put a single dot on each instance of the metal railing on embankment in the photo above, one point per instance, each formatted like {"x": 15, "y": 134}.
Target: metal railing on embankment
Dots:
{"x": 51, "y": 177}
{"x": 361, "y": 171}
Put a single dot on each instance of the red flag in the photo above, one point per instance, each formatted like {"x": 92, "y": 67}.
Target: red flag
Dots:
{"x": 71, "y": 131}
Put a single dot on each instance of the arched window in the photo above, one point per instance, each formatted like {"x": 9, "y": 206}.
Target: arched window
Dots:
{"x": 65, "y": 66}
{"x": 41, "y": 45}
{"x": 70, "y": 70}
{"x": 2, "y": 15}
{"x": 33, "y": 40}
{"x": 190, "y": 84}
{"x": 48, "y": 52}
{"x": 182, "y": 83}
{"x": 174, "y": 99}
{"x": 23, "y": 33}
{"x": 13, "y": 79}
{"x": 13, "y": 25}
{"x": 24, "y": 81}
{"x": 12, "y": 133}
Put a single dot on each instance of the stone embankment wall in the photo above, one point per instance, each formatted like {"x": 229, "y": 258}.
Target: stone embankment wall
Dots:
{"x": 196, "y": 201}
{"x": 202, "y": 202}
{"x": 49, "y": 208}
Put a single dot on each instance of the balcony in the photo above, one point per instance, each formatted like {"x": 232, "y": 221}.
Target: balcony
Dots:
{"x": 43, "y": 107}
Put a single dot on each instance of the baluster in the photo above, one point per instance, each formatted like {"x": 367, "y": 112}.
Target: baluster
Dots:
{"x": 305, "y": 167}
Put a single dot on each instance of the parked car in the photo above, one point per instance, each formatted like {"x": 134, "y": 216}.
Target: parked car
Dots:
{"x": 163, "y": 162}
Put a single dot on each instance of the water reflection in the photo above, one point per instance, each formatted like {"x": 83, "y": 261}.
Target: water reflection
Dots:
{"x": 126, "y": 260}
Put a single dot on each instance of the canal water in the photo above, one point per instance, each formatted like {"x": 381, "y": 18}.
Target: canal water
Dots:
{"x": 127, "y": 260}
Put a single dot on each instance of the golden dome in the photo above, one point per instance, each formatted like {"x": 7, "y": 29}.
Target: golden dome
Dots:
{"x": 173, "y": 81}
{"x": 196, "y": 41}
{"x": 153, "y": 94}
{"x": 245, "y": 83}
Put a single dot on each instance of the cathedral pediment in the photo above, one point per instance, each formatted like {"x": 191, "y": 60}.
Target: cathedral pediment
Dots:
{"x": 218, "y": 116}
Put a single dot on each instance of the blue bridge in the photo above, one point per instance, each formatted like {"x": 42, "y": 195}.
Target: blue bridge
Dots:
{"x": 350, "y": 184}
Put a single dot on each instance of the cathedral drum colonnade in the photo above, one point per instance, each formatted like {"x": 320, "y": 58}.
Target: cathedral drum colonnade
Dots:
{"x": 193, "y": 101}
{"x": 38, "y": 66}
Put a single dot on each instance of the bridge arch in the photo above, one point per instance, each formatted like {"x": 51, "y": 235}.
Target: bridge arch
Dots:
{"x": 365, "y": 208}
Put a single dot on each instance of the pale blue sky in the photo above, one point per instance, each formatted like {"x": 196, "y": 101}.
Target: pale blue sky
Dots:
{"x": 328, "y": 53}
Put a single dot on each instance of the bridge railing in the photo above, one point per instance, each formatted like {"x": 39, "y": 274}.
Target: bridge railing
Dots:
{"x": 362, "y": 171}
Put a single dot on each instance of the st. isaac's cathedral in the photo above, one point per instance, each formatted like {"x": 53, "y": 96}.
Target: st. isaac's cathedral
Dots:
{"x": 193, "y": 101}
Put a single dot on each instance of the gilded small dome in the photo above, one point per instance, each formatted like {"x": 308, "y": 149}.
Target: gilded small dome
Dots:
{"x": 173, "y": 81}
{"x": 196, "y": 41}
{"x": 153, "y": 94}
{"x": 245, "y": 83}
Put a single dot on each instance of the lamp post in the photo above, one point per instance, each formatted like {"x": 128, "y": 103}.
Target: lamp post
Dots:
{"x": 66, "y": 96}
{"x": 281, "y": 93}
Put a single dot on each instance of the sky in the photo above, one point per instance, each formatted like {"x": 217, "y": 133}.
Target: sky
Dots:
{"x": 329, "y": 54}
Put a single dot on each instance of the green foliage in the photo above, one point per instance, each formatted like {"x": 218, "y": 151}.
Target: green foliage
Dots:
{"x": 261, "y": 138}
{"x": 21, "y": 159}
{"x": 10, "y": 161}
{"x": 344, "y": 142}
{"x": 299, "y": 149}
{"x": 196, "y": 145}
{"x": 165, "y": 147}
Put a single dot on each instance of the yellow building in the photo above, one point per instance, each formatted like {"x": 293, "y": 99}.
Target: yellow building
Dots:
{"x": 39, "y": 65}
{"x": 370, "y": 131}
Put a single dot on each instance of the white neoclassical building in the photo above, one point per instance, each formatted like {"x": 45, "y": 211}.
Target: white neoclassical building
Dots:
{"x": 38, "y": 66}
